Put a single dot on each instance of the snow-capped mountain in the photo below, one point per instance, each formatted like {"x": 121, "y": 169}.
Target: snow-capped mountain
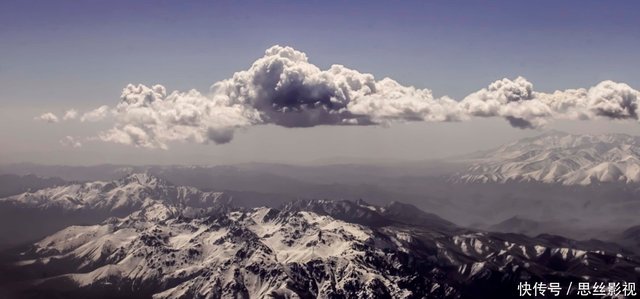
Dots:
{"x": 306, "y": 249}
{"x": 557, "y": 157}
{"x": 132, "y": 192}
{"x": 32, "y": 215}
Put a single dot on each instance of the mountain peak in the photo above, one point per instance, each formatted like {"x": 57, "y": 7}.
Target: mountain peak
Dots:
{"x": 350, "y": 211}
{"x": 143, "y": 178}
{"x": 124, "y": 195}
{"x": 558, "y": 157}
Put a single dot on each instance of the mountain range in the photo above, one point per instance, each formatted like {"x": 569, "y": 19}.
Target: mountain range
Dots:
{"x": 179, "y": 242}
{"x": 129, "y": 193}
{"x": 284, "y": 231}
{"x": 557, "y": 157}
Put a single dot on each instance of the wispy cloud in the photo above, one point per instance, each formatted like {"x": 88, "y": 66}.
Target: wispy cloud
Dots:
{"x": 70, "y": 114}
{"x": 71, "y": 142}
{"x": 97, "y": 114}
{"x": 47, "y": 117}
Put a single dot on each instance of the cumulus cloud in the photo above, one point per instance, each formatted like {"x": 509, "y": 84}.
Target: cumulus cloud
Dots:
{"x": 48, "y": 117}
{"x": 613, "y": 100}
{"x": 283, "y": 88}
{"x": 70, "y": 114}
{"x": 286, "y": 90}
{"x": 71, "y": 142}
{"x": 149, "y": 117}
{"x": 516, "y": 101}
{"x": 97, "y": 114}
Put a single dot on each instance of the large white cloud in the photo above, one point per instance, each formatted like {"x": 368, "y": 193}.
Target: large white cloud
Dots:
{"x": 149, "y": 117}
{"x": 287, "y": 90}
{"x": 523, "y": 107}
{"x": 283, "y": 88}
{"x": 613, "y": 100}
{"x": 514, "y": 100}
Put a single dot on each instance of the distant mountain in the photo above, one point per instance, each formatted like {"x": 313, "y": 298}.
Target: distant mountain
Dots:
{"x": 563, "y": 227}
{"x": 557, "y": 157}
{"x": 630, "y": 238}
{"x": 306, "y": 249}
{"x": 11, "y": 184}
{"x": 70, "y": 173}
{"x": 233, "y": 175}
{"x": 129, "y": 193}
{"x": 518, "y": 225}
{"x": 33, "y": 214}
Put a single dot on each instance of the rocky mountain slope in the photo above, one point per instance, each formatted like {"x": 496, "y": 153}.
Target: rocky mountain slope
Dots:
{"x": 305, "y": 249}
{"x": 557, "y": 157}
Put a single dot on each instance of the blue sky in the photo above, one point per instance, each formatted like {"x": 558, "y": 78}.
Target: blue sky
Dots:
{"x": 82, "y": 53}
{"x": 450, "y": 47}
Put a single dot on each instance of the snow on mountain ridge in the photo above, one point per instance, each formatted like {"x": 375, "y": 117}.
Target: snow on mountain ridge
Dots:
{"x": 131, "y": 192}
{"x": 213, "y": 254}
{"x": 558, "y": 157}
{"x": 295, "y": 252}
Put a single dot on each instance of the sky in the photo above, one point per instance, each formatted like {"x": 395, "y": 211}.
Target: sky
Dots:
{"x": 61, "y": 55}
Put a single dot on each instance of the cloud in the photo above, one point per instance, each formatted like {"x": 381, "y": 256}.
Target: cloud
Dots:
{"x": 514, "y": 100}
{"x": 286, "y": 90}
{"x": 97, "y": 114}
{"x": 613, "y": 100}
{"x": 131, "y": 135}
{"x": 71, "y": 142}
{"x": 283, "y": 88}
{"x": 70, "y": 114}
{"x": 149, "y": 117}
{"x": 48, "y": 117}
